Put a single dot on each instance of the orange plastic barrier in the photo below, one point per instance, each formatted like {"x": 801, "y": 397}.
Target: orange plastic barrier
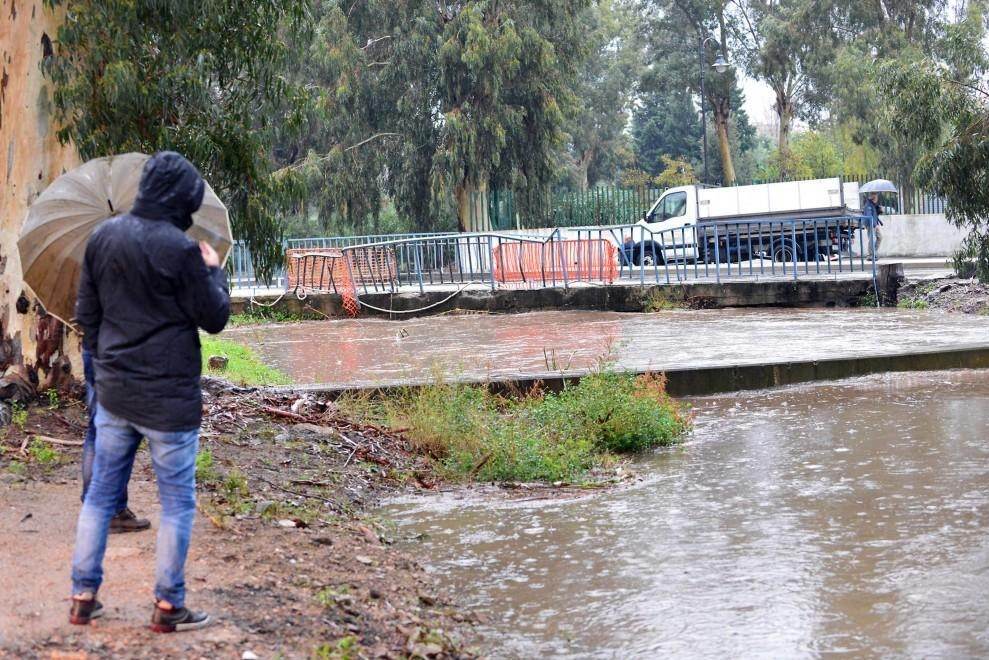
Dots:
{"x": 325, "y": 269}
{"x": 543, "y": 264}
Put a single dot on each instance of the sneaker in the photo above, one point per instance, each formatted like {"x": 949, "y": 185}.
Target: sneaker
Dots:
{"x": 126, "y": 521}
{"x": 178, "y": 619}
{"x": 84, "y": 611}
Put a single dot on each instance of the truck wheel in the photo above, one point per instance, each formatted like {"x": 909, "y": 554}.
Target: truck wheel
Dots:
{"x": 709, "y": 254}
{"x": 647, "y": 254}
{"x": 783, "y": 252}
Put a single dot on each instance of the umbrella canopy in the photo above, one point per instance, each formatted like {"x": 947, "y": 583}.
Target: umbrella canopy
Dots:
{"x": 878, "y": 186}
{"x": 59, "y": 223}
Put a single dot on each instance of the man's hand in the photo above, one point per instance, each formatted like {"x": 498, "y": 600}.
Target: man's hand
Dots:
{"x": 210, "y": 256}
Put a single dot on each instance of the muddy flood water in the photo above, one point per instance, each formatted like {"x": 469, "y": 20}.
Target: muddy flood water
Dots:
{"x": 848, "y": 518}
{"x": 377, "y": 351}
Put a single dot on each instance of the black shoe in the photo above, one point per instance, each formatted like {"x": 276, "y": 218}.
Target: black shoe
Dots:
{"x": 126, "y": 521}
{"x": 178, "y": 619}
{"x": 84, "y": 611}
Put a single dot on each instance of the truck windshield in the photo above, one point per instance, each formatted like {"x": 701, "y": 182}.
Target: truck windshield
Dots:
{"x": 673, "y": 206}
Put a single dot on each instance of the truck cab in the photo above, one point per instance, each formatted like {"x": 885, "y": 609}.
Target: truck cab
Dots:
{"x": 670, "y": 223}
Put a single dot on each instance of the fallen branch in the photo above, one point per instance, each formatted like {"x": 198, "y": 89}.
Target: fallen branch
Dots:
{"x": 71, "y": 425}
{"x": 56, "y": 441}
{"x": 487, "y": 457}
{"x": 285, "y": 413}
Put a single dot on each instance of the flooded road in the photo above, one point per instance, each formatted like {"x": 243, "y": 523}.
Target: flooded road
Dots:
{"x": 375, "y": 351}
{"x": 846, "y": 518}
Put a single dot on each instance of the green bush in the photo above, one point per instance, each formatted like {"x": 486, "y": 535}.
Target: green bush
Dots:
{"x": 474, "y": 434}
{"x": 972, "y": 260}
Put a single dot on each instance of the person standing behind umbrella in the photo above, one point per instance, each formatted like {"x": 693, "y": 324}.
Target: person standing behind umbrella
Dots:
{"x": 124, "y": 520}
{"x": 145, "y": 290}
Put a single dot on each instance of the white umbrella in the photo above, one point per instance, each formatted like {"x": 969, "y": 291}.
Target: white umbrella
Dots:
{"x": 59, "y": 223}
{"x": 878, "y": 186}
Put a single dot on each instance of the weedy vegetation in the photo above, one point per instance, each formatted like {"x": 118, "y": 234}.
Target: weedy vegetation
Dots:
{"x": 475, "y": 434}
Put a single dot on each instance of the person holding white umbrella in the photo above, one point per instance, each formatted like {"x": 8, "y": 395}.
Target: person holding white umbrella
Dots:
{"x": 872, "y": 210}
{"x": 145, "y": 289}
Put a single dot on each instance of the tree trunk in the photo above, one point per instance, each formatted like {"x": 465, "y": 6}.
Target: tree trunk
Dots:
{"x": 583, "y": 166}
{"x": 784, "y": 111}
{"x": 727, "y": 167}
{"x": 783, "y": 137}
{"x": 32, "y": 344}
{"x": 472, "y": 207}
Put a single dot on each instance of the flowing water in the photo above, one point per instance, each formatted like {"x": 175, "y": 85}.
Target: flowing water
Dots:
{"x": 849, "y": 518}
{"x": 376, "y": 351}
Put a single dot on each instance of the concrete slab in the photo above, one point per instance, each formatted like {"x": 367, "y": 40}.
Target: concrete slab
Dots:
{"x": 739, "y": 348}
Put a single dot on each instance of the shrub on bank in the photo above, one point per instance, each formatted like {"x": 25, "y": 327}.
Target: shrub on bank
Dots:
{"x": 474, "y": 434}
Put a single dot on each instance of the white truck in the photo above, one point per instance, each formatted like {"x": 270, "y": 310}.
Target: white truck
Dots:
{"x": 800, "y": 220}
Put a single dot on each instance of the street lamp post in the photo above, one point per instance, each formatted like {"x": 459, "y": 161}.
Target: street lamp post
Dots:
{"x": 720, "y": 65}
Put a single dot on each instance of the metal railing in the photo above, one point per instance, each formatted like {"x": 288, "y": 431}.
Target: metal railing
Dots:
{"x": 744, "y": 249}
{"x": 629, "y": 254}
{"x": 241, "y": 267}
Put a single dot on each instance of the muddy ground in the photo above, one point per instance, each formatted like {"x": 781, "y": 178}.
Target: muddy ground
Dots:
{"x": 285, "y": 554}
{"x": 947, "y": 295}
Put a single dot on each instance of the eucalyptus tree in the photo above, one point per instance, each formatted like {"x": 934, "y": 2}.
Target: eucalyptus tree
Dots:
{"x": 606, "y": 85}
{"x": 202, "y": 77}
{"x": 435, "y": 102}
{"x": 685, "y": 38}
{"x": 785, "y": 41}
{"x": 867, "y": 33}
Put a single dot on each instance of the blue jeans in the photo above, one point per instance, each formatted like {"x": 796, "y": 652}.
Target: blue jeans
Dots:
{"x": 173, "y": 456}
{"x": 89, "y": 444}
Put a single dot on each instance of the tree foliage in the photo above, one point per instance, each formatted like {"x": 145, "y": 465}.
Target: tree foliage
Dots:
{"x": 944, "y": 105}
{"x": 784, "y": 41}
{"x": 605, "y": 91}
{"x": 204, "y": 78}
{"x": 433, "y": 103}
{"x": 685, "y": 37}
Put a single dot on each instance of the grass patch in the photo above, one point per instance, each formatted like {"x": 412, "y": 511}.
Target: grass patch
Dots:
{"x": 345, "y": 648}
{"x": 261, "y": 315}
{"x": 243, "y": 366}
{"x": 43, "y": 454}
{"x": 206, "y": 472}
{"x": 474, "y": 434}
{"x": 867, "y": 299}
{"x": 912, "y": 303}
{"x": 18, "y": 415}
{"x": 661, "y": 300}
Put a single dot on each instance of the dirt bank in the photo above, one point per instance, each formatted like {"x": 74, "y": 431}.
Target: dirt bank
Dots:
{"x": 285, "y": 554}
{"x": 946, "y": 294}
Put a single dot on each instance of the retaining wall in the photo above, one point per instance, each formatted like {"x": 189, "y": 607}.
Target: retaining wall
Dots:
{"x": 810, "y": 292}
{"x": 728, "y": 378}
{"x": 928, "y": 235}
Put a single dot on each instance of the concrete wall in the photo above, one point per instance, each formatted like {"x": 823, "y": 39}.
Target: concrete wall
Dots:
{"x": 929, "y": 235}
{"x": 809, "y": 292}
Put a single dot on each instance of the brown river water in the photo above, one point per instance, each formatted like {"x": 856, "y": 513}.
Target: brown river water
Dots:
{"x": 848, "y": 518}
{"x": 378, "y": 351}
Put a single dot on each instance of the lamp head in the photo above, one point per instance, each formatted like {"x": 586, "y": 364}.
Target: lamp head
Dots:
{"x": 720, "y": 65}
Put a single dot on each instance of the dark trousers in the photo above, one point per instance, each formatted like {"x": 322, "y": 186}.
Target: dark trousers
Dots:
{"x": 89, "y": 444}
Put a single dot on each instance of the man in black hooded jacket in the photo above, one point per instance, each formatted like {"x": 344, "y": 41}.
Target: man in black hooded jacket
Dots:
{"x": 145, "y": 290}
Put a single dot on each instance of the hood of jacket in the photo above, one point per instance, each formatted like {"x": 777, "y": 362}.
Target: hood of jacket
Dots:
{"x": 171, "y": 189}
